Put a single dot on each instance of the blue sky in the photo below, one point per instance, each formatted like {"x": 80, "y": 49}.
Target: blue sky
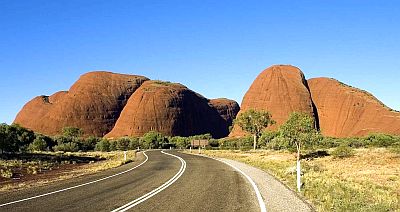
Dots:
{"x": 216, "y": 48}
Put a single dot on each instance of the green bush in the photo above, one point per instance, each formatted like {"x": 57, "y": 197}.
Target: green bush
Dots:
{"x": 73, "y": 132}
{"x": 113, "y": 146}
{"x": 328, "y": 142}
{"x": 39, "y": 144}
{"x": 213, "y": 143}
{"x": 134, "y": 143}
{"x": 103, "y": 145}
{"x": 153, "y": 140}
{"x": 280, "y": 143}
{"x": 381, "y": 140}
{"x": 180, "y": 142}
{"x": 343, "y": 151}
{"x": 14, "y": 138}
{"x": 236, "y": 143}
{"x": 353, "y": 142}
{"x": 267, "y": 137}
{"x": 89, "y": 143}
{"x": 67, "y": 147}
{"x": 67, "y": 144}
{"x": 122, "y": 143}
{"x": 62, "y": 139}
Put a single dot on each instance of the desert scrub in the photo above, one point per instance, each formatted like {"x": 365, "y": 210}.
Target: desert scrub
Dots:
{"x": 367, "y": 181}
{"x": 343, "y": 151}
{"x": 331, "y": 194}
{"x": 77, "y": 163}
{"x": 6, "y": 173}
{"x": 396, "y": 150}
{"x": 32, "y": 169}
{"x": 111, "y": 159}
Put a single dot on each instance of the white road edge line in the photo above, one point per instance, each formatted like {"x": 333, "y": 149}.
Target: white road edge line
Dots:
{"x": 256, "y": 190}
{"x": 77, "y": 186}
{"x": 157, "y": 190}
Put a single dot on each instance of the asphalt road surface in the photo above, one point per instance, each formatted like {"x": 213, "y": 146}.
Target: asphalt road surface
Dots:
{"x": 158, "y": 181}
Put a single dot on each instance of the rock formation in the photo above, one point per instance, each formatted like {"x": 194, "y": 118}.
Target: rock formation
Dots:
{"x": 281, "y": 90}
{"x": 129, "y": 105}
{"x": 93, "y": 104}
{"x": 36, "y": 109}
{"x": 345, "y": 111}
{"x": 227, "y": 108}
{"x": 169, "y": 108}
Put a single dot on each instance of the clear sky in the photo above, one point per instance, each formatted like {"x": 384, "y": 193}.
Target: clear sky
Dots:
{"x": 215, "y": 47}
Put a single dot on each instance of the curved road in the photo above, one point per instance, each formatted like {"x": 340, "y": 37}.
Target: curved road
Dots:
{"x": 165, "y": 181}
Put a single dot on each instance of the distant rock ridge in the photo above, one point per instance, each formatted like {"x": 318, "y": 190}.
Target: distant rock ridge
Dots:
{"x": 95, "y": 102}
{"x": 105, "y": 103}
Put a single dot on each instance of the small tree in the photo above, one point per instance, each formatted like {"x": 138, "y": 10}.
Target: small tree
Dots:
{"x": 89, "y": 143}
{"x": 122, "y": 143}
{"x": 153, "y": 140}
{"x": 298, "y": 130}
{"x": 39, "y": 144}
{"x": 73, "y": 132}
{"x": 4, "y": 141}
{"x": 254, "y": 122}
{"x": 134, "y": 143}
{"x": 14, "y": 138}
{"x": 180, "y": 142}
{"x": 103, "y": 145}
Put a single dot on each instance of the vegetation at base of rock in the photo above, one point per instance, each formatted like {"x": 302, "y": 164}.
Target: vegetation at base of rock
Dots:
{"x": 343, "y": 151}
{"x": 14, "y": 138}
{"x": 72, "y": 132}
{"x": 254, "y": 122}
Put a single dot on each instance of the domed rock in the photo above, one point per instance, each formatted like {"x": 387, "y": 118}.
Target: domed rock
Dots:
{"x": 345, "y": 111}
{"x": 93, "y": 104}
{"x": 281, "y": 90}
{"x": 227, "y": 108}
{"x": 171, "y": 109}
{"x": 34, "y": 111}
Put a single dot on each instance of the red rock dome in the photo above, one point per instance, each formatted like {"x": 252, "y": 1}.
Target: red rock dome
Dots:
{"x": 171, "y": 109}
{"x": 281, "y": 90}
{"x": 345, "y": 111}
{"x": 93, "y": 104}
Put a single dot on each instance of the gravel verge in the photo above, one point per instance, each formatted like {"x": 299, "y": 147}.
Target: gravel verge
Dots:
{"x": 276, "y": 196}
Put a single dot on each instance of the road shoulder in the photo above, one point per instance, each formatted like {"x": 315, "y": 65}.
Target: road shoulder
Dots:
{"x": 276, "y": 196}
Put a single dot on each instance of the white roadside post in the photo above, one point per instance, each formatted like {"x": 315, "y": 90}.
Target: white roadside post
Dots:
{"x": 190, "y": 149}
{"x": 124, "y": 155}
{"x": 298, "y": 176}
{"x": 199, "y": 149}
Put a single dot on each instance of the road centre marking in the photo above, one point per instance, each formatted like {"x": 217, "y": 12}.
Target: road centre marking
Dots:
{"x": 157, "y": 190}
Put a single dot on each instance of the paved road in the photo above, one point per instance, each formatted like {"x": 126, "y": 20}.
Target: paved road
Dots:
{"x": 191, "y": 183}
